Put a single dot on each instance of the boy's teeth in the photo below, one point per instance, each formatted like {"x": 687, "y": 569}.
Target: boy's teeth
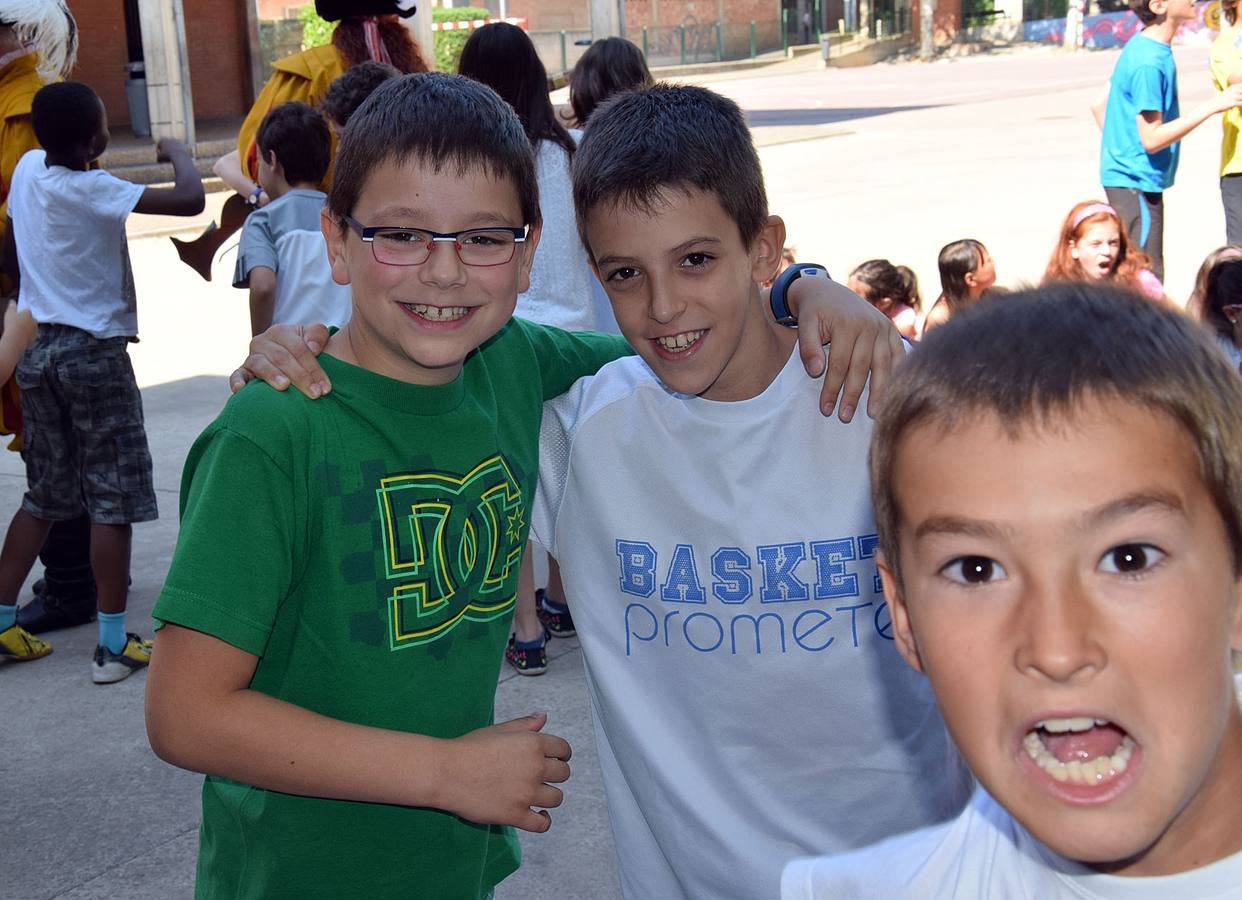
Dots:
{"x": 1091, "y": 771}
{"x": 438, "y": 313}
{"x": 1078, "y": 723}
{"x": 679, "y": 341}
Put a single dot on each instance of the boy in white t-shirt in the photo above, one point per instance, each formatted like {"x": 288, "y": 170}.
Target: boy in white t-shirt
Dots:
{"x": 716, "y": 536}
{"x": 1058, "y": 489}
{"x": 84, "y": 442}
{"x": 281, "y": 257}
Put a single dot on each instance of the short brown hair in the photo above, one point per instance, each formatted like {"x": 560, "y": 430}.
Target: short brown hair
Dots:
{"x": 445, "y": 120}
{"x": 1039, "y": 354}
{"x": 1142, "y": 9}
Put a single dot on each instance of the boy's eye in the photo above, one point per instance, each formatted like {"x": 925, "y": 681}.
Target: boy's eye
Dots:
{"x": 402, "y": 236}
{"x": 1126, "y": 559}
{"x": 622, "y": 274}
{"x": 485, "y": 239}
{"x": 695, "y": 260}
{"x": 973, "y": 570}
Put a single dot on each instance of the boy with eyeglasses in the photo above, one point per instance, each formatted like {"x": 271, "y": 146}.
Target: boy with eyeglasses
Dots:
{"x": 344, "y": 579}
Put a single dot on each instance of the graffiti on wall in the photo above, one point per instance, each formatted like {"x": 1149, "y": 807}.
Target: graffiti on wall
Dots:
{"x": 1114, "y": 29}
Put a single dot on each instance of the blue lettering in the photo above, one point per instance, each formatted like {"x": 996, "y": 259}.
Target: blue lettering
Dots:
{"x": 669, "y": 615}
{"x": 799, "y": 635}
{"x": 853, "y": 611}
{"x": 779, "y": 583}
{"x": 868, "y": 544}
{"x": 731, "y": 571}
{"x": 756, "y": 622}
{"x": 682, "y": 585}
{"x": 629, "y": 630}
{"x": 830, "y": 558}
{"x": 685, "y": 629}
{"x": 884, "y": 622}
{"x": 638, "y": 563}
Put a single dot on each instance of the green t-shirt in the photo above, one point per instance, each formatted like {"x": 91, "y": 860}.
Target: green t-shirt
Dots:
{"x": 365, "y": 546}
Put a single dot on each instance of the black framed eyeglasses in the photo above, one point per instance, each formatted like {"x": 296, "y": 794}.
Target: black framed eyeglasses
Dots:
{"x": 412, "y": 246}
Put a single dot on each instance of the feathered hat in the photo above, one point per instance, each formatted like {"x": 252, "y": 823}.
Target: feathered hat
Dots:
{"x": 335, "y": 10}
{"x": 48, "y": 27}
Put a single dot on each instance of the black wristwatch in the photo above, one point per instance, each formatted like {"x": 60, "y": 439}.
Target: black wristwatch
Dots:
{"x": 780, "y": 289}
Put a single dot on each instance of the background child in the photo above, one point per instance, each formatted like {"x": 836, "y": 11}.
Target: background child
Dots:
{"x": 82, "y": 412}
{"x": 503, "y": 57}
{"x": 1222, "y": 307}
{"x": 281, "y": 255}
{"x": 38, "y": 45}
{"x": 607, "y": 67}
{"x": 966, "y": 272}
{"x": 346, "y": 94}
{"x": 1143, "y": 126}
{"x": 1226, "y": 60}
{"x": 1062, "y": 536}
{"x": 1194, "y": 305}
{"x": 1092, "y": 246}
{"x": 893, "y": 290}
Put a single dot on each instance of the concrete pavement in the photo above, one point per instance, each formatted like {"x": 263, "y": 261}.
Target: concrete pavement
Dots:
{"x": 893, "y": 160}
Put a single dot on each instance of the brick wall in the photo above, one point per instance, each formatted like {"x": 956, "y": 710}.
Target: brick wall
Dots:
{"x": 102, "y": 55}
{"x": 549, "y": 15}
{"x": 216, "y": 38}
{"x": 945, "y": 24}
{"x": 218, "y": 51}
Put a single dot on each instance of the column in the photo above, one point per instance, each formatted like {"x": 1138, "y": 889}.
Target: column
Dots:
{"x": 168, "y": 69}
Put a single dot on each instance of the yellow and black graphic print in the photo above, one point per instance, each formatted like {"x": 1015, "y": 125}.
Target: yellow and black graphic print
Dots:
{"x": 452, "y": 549}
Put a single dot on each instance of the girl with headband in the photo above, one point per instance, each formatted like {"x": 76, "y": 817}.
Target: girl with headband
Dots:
{"x": 1093, "y": 246}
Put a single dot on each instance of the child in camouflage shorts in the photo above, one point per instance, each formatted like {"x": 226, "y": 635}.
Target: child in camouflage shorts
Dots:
{"x": 85, "y": 446}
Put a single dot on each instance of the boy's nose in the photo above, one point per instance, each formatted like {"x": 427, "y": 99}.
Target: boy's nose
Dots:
{"x": 664, "y": 305}
{"x": 1055, "y": 634}
{"x": 443, "y": 267}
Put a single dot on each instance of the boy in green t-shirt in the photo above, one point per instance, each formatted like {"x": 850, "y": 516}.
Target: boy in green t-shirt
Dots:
{"x": 341, "y": 592}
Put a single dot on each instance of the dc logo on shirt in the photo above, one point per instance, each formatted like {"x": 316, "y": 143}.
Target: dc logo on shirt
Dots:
{"x": 452, "y": 548}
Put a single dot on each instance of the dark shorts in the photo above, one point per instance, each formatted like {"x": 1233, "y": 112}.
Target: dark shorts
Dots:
{"x": 1231, "y": 197}
{"x": 84, "y": 442}
{"x": 1142, "y": 214}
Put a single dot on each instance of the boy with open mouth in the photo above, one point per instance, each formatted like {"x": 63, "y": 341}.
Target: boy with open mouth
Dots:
{"x": 1061, "y": 533}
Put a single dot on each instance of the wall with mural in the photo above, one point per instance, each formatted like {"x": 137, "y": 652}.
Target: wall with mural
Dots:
{"x": 1114, "y": 29}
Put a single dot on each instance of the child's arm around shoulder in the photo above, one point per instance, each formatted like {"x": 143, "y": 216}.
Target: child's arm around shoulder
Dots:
{"x": 202, "y": 715}
{"x": 185, "y": 197}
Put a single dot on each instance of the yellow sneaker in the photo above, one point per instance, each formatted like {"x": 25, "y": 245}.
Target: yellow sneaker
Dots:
{"x": 19, "y": 645}
{"x": 110, "y": 667}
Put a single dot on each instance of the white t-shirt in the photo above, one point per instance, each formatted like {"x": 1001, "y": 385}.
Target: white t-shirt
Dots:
{"x": 70, "y": 233}
{"x": 285, "y": 237}
{"x": 560, "y": 277}
{"x": 749, "y": 702}
{"x": 984, "y": 853}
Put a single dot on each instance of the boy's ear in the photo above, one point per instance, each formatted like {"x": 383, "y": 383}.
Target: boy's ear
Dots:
{"x": 334, "y": 240}
{"x": 902, "y": 632}
{"x": 526, "y": 256}
{"x": 765, "y": 250}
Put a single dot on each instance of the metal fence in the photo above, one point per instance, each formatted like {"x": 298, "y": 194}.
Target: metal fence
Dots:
{"x": 705, "y": 40}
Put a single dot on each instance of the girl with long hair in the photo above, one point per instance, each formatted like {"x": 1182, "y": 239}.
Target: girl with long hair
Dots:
{"x": 966, "y": 272}
{"x": 1093, "y": 246}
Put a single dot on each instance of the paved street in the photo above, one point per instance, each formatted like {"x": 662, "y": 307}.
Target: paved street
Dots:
{"x": 893, "y": 160}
